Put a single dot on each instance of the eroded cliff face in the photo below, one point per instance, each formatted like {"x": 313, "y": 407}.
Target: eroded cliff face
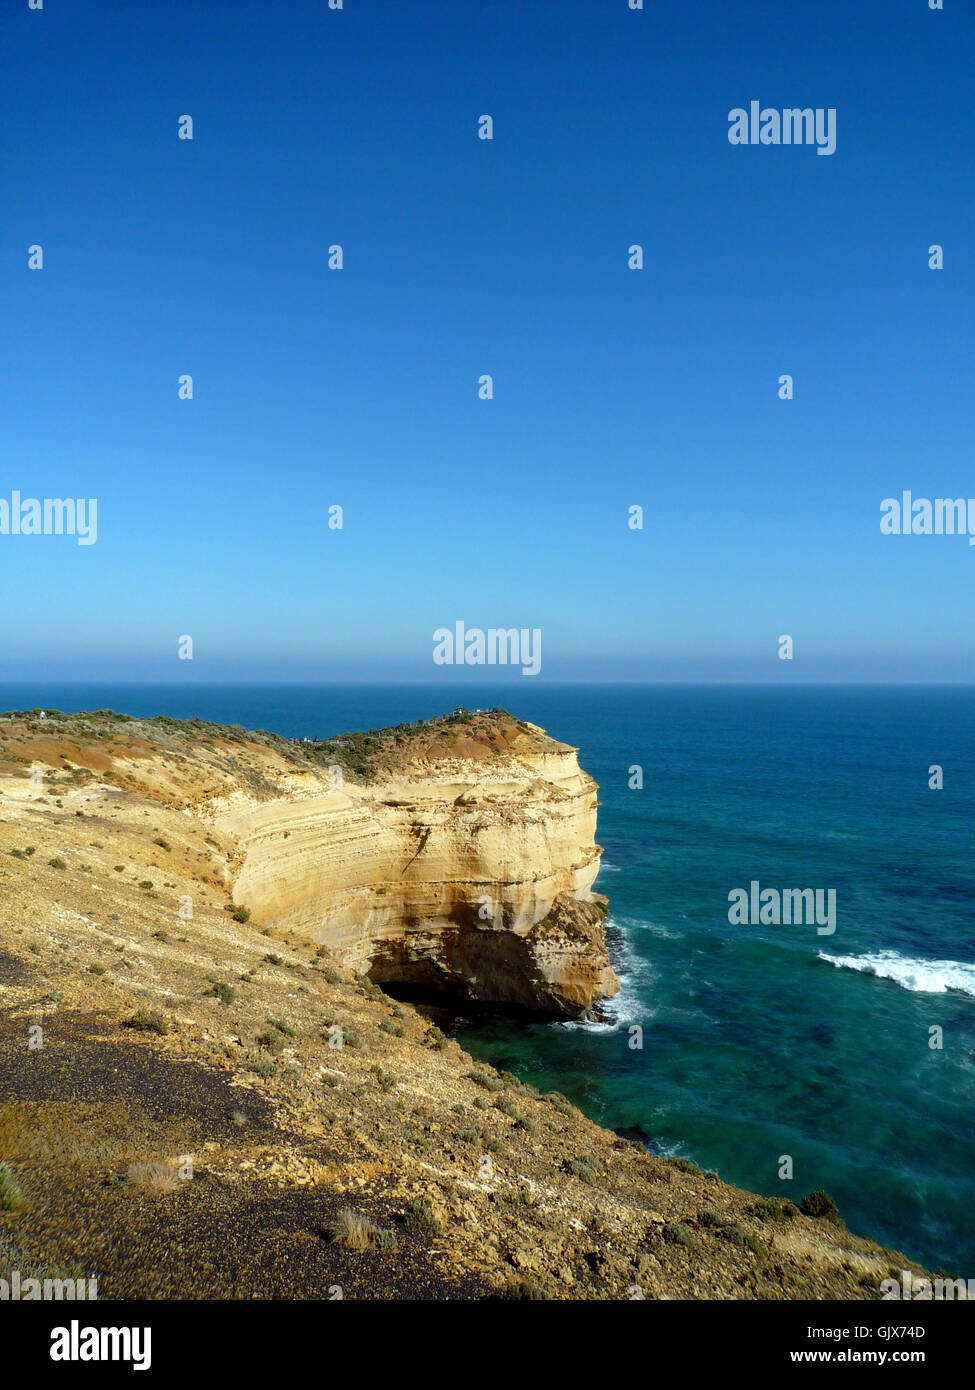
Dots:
{"x": 168, "y": 1031}
{"x": 464, "y": 866}
{"x": 456, "y": 855}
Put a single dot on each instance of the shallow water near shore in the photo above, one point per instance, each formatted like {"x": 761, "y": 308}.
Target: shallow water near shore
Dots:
{"x": 757, "y": 1041}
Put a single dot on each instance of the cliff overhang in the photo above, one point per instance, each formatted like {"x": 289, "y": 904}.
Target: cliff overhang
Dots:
{"x": 456, "y": 856}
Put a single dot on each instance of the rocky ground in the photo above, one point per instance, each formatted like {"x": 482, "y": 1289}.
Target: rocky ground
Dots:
{"x": 197, "y": 1106}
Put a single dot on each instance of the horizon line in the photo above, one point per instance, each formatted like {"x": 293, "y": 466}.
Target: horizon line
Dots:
{"x": 515, "y": 683}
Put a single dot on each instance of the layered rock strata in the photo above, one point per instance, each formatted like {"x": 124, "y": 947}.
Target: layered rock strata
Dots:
{"x": 464, "y": 865}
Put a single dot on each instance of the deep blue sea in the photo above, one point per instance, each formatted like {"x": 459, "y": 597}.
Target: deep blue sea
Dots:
{"x": 758, "y": 1041}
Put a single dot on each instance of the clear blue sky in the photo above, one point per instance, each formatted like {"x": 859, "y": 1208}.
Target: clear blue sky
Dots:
{"x": 462, "y": 257}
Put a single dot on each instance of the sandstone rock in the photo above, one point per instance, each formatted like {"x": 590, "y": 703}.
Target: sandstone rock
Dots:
{"x": 467, "y": 876}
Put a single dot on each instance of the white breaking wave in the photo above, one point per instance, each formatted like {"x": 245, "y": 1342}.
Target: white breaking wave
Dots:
{"x": 629, "y": 1005}
{"x": 921, "y": 976}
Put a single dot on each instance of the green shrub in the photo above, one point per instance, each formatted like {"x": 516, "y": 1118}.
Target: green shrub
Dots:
{"x": 770, "y": 1209}
{"x": 272, "y": 959}
{"x": 224, "y": 992}
{"x": 819, "y": 1203}
{"x": 419, "y": 1216}
{"x": 583, "y": 1169}
{"x": 96, "y": 969}
{"x": 435, "y": 1038}
{"x": 161, "y": 842}
{"x": 711, "y": 1218}
{"x": 151, "y": 1021}
{"x": 676, "y": 1233}
{"x": 283, "y": 1027}
{"x": 744, "y": 1240}
{"x": 684, "y": 1165}
{"x": 527, "y": 1288}
{"x": 395, "y": 1030}
{"x": 272, "y": 1041}
{"x": 519, "y": 1197}
{"x": 482, "y": 1078}
{"x": 241, "y": 914}
{"x": 57, "y": 863}
{"x": 733, "y": 1234}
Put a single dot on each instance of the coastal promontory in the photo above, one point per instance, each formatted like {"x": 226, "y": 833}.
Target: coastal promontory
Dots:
{"x": 456, "y": 856}
{"x": 208, "y": 1088}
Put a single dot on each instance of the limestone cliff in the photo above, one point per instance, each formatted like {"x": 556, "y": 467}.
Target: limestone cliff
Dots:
{"x": 456, "y": 855}
{"x": 462, "y": 864}
{"x": 175, "y": 1028}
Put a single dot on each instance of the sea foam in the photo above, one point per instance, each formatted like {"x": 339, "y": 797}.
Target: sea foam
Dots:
{"x": 921, "y": 976}
{"x": 634, "y": 973}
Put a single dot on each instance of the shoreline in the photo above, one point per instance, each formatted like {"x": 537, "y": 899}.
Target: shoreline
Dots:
{"x": 300, "y": 1090}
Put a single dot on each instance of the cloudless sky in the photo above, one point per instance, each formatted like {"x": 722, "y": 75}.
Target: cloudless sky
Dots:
{"x": 612, "y": 387}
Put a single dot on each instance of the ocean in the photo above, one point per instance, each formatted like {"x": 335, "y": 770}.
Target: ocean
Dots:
{"x": 757, "y": 1043}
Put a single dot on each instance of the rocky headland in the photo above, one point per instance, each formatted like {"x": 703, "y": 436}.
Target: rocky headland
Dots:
{"x": 205, "y": 1090}
{"x": 456, "y": 856}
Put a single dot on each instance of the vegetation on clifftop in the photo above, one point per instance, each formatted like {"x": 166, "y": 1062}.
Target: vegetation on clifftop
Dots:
{"x": 360, "y": 754}
{"x": 224, "y": 1109}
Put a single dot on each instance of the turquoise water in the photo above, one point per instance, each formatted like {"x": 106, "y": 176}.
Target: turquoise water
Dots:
{"x": 754, "y": 1045}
